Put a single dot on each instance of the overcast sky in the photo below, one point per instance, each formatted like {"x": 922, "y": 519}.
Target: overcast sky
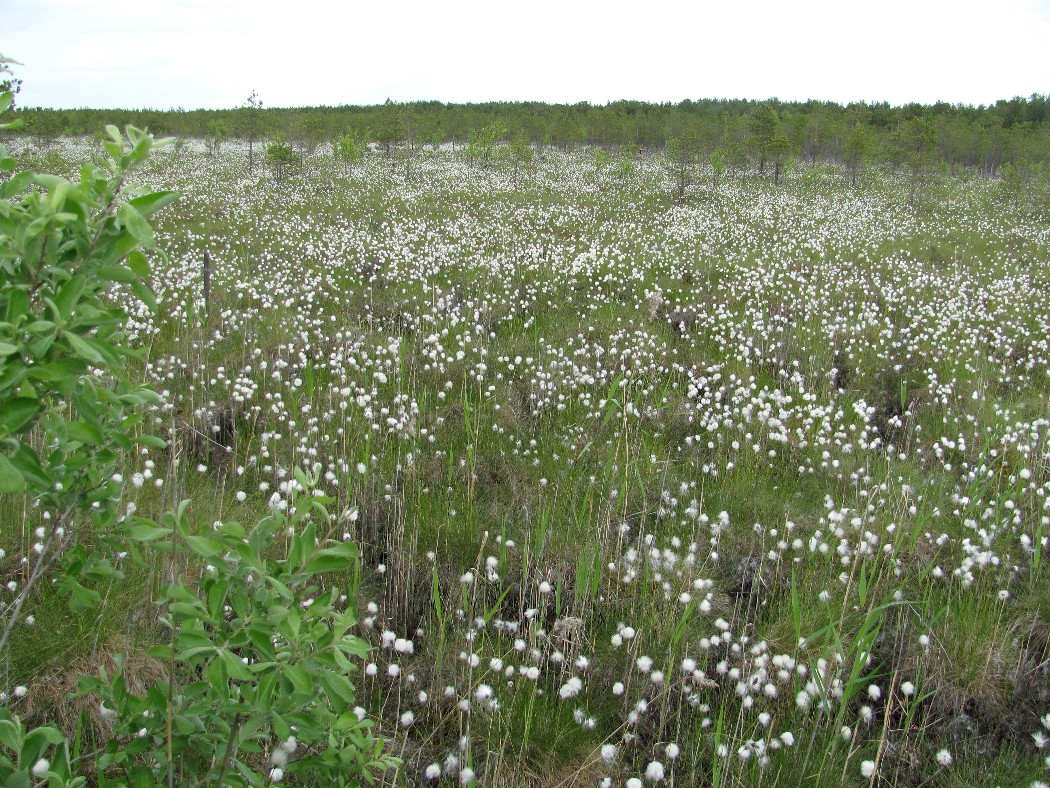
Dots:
{"x": 213, "y": 53}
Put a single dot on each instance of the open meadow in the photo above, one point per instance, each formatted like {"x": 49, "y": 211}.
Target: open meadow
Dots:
{"x": 749, "y": 487}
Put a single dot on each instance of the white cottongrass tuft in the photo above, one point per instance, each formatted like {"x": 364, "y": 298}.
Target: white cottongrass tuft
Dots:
{"x": 654, "y": 772}
{"x": 571, "y": 688}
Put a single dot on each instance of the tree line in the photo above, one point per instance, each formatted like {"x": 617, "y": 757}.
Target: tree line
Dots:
{"x": 984, "y": 138}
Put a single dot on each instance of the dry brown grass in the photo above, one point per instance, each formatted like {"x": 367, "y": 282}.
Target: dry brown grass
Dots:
{"x": 51, "y": 695}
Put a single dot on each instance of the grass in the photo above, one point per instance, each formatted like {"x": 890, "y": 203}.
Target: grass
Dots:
{"x": 540, "y": 459}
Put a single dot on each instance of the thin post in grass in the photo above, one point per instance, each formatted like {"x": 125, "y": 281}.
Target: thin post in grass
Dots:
{"x": 207, "y": 282}
{"x": 175, "y": 575}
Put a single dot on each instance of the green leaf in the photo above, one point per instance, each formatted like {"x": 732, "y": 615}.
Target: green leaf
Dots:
{"x": 289, "y": 627}
{"x": 280, "y": 727}
{"x": 116, "y": 273}
{"x": 279, "y": 587}
{"x": 297, "y": 550}
{"x": 191, "y": 639}
{"x": 149, "y": 204}
{"x": 143, "y": 777}
{"x": 152, "y": 441}
{"x": 138, "y": 263}
{"x": 261, "y": 640}
{"x": 147, "y": 532}
{"x": 63, "y": 373}
{"x": 203, "y": 546}
{"x": 39, "y": 739}
{"x": 12, "y": 374}
{"x": 145, "y": 295}
{"x": 27, "y": 463}
{"x": 7, "y": 349}
{"x": 234, "y": 667}
{"x": 69, "y": 296}
{"x": 184, "y": 726}
{"x": 40, "y": 327}
{"x": 188, "y": 654}
{"x": 82, "y": 348}
{"x": 300, "y": 678}
{"x": 11, "y": 480}
{"x": 17, "y": 305}
{"x": 11, "y": 735}
{"x": 217, "y": 598}
{"x": 218, "y": 679}
{"x": 191, "y": 610}
{"x": 234, "y": 529}
{"x": 342, "y": 549}
{"x": 84, "y": 432}
{"x": 339, "y": 689}
{"x": 339, "y": 558}
{"x": 18, "y": 413}
{"x": 135, "y": 224}
{"x": 16, "y": 185}
{"x": 267, "y": 685}
{"x": 326, "y": 563}
{"x": 159, "y": 652}
{"x": 250, "y": 727}
{"x": 106, "y": 350}
{"x": 39, "y": 347}
{"x": 82, "y": 598}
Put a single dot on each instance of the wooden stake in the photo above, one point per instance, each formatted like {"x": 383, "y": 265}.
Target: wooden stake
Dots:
{"x": 207, "y": 281}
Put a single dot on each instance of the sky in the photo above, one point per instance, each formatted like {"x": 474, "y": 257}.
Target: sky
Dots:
{"x": 213, "y": 53}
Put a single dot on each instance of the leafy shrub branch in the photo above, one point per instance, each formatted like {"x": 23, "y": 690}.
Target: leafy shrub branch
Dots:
{"x": 261, "y": 646}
